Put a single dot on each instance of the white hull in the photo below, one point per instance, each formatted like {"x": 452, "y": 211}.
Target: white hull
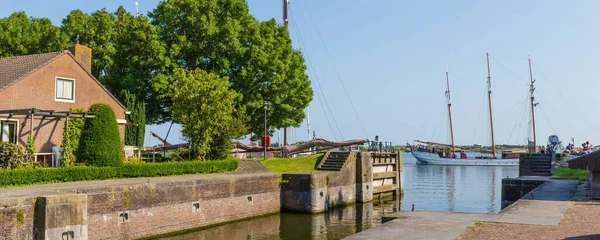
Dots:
{"x": 434, "y": 159}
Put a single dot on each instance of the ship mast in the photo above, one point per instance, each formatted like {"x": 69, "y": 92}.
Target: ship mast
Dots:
{"x": 449, "y": 111}
{"x": 285, "y": 22}
{"x": 531, "y": 89}
{"x": 489, "y": 82}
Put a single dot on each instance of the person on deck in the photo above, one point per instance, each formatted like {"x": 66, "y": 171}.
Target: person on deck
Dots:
{"x": 542, "y": 150}
{"x": 463, "y": 155}
{"x": 448, "y": 153}
{"x": 587, "y": 147}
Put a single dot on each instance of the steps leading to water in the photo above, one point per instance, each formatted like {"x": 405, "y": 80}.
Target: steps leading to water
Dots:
{"x": 535, "y": 165}
{"x": 334, "y": 161}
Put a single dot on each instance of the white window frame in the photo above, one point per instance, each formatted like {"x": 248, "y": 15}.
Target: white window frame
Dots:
{"x": 17, "y": 135}
{"x": 56, "y": 86}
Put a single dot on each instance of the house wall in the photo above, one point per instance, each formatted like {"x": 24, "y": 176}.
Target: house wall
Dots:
{"x": 38, "y": 91}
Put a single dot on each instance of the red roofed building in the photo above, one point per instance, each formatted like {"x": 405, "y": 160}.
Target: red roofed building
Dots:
{"x": 38, "y": 91}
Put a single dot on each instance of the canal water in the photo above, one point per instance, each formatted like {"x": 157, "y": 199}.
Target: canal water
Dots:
{"x": 432, "y": 188}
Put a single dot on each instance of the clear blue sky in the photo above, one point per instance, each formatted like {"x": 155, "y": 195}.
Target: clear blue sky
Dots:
{"x": 392, "y": 57}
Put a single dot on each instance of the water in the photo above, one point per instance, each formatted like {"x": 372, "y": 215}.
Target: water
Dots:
{"x": 454, "y": 188}
{"x": 433, "y": 188}
{"x": 336, "y": 224}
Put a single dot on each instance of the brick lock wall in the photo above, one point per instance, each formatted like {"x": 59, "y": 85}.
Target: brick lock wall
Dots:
{"x": 10, "y": 226}
{"x": 38, "y": 91}
{"x": 156, "y": 208}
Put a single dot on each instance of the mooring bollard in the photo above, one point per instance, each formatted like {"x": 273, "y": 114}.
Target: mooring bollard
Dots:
{"x": 413, "y": 207}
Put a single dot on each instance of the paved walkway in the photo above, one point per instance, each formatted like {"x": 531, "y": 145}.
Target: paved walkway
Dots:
{"x": 549, "y": 203}
{"x": 71, "y": 187}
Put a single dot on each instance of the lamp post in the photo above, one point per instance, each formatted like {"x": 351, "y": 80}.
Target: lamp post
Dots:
{"x": 265, "y": 136}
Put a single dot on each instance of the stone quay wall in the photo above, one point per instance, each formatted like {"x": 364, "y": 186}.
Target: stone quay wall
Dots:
{"x": 134, "y": 208}
{"x": 319, "y": 191}
{"x": 138, "y": 210}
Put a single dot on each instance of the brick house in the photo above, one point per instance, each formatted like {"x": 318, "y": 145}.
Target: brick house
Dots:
{"x": 38, "y": 91}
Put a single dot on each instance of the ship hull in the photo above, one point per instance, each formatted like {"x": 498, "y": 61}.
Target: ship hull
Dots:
{"x": 434, "y": 159}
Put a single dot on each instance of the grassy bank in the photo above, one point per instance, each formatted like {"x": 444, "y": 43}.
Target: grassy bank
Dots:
{"x": 298, "y": 164}
{"x": 19, "y": 177}
{"x": 568, "y": 173}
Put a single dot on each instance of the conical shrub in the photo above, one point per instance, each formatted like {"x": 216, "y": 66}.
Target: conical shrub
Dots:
{"x": 100, "y": 142}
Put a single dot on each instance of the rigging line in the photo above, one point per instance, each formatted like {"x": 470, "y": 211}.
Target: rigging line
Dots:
{"x": 564, "y": 99}
{"x": 435, "y": 127}
{"x": 336, "y": 71}
{"x": 422, "y": 129}
{"x": 312, "y": 72}
{"x": 479, "y": 116}
{"x": 520, "y": 103}
{"x": 560, "y": 115}
{"x": 519, "y": 120}
{"x": 298, "y": 33}
{"x": 546, "y": 120}
{"x": 514, "y": 74}
{"x": 521, "y": 58}
{"x": 438, "y": 125}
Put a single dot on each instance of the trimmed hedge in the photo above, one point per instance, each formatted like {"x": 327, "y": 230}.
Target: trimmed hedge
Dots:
{"x": 100, "y": 141}
{"x": 18, "y": 177}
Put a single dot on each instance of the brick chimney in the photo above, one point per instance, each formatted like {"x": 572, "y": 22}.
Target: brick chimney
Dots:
{"x": 83, "y": 55}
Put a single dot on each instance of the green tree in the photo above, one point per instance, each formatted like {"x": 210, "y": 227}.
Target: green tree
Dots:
{"x": 274, "y": 72}
{"x": 100, "y": 142}
{"x": 134, "y": 135}
{"x": 221, "y": 37}
{"x": 95, "y": 31}
{"x": 22, "y": 35}
{"x": 203, "y": 103}
{"x": 139, "y": 57}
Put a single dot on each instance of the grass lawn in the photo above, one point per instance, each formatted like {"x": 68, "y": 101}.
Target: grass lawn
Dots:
{"x": 298, "y": 164}
{"x": 568, "y": 173}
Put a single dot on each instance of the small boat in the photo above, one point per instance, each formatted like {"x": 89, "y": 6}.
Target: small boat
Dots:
{"x": 446, "y": 153}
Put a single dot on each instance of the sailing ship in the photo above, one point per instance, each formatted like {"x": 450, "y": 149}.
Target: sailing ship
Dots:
{"x": 445, "y": 154}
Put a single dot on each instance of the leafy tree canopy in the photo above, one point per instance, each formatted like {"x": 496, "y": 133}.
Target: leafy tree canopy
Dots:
{"x": 143, "y": 54}
{"x": 221, "y": 37}
{"x": 203, "y": 103}
{"x": 22, "y": 35}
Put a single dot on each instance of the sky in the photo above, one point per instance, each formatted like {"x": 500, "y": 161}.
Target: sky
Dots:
{"x": 378, "y": 67}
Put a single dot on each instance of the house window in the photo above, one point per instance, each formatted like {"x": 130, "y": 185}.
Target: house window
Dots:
{"x": 9, "y": 131}
{"x": 65, "y": 89}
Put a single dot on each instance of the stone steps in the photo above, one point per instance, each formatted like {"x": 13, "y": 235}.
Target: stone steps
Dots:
{"x": 334, "y": 161}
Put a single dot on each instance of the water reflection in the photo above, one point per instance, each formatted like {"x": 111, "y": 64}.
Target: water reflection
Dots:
{"x": 434, "y": 188}
{"x": 335, "y": 224}
{"x": 454, "y": 188}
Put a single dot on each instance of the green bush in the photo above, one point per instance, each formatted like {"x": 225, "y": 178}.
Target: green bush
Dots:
{"x": 71, "y": 136}
{"x": 134, "y": 135}
{"x": 100, "y": 142}
{"x": 30, "y": 148}
{"x": 84, "y": 173}
{"x": 11, "y": 155}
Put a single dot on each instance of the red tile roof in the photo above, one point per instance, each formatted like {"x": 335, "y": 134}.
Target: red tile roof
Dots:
{"x": 13, "y": 69}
